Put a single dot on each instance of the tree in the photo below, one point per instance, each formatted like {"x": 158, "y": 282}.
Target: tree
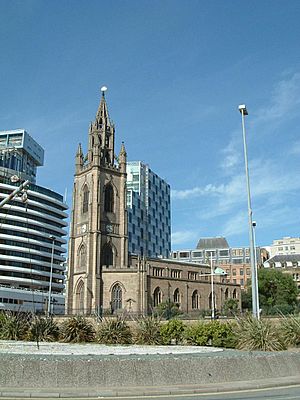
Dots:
{"x": 231, "y": 307}
{"x": 167, "y": 309}
{"x": 277, "y": 291}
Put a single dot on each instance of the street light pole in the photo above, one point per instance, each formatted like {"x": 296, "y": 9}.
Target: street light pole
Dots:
{"x": 255, "y": 311}
{"x": 14, "y": 193}
{"x": 50, "y": 279}
{"x": 212, "y": 288}
{"x": 216, "y": 272}
{"x": 256, "y": 269}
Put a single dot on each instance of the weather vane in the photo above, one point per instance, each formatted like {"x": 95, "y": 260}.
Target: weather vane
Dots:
{"x": 103, "y": 90}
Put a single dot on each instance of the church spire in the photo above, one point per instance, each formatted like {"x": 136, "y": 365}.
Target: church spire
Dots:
{"x": 102, "y": 116}
{"x": 79, "y": 158}
{"x": 122, "y": 158}
{"x": 102, "y": 136}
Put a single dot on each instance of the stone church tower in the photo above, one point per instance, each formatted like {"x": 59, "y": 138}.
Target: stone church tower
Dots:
{"x": 102, "y": 278}
{"x": 98, "y": 231}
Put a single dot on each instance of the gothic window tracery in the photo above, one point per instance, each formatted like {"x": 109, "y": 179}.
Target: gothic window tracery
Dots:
{"x": 176, "y": 296}
{"x": 195, "y": 300}
{"x": 157, "y": 297}
{"x": 81, "y": 259}
{"x": 116, "y": 298}
{"x": 80, "y": 298}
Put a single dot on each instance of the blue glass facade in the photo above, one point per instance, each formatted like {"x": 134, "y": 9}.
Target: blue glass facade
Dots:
{"x": 149, "y": 213}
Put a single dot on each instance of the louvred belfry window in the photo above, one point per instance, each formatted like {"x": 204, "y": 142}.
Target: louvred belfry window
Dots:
{"x": 109, "y": 198}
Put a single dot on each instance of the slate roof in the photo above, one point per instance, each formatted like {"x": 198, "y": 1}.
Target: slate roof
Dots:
{"x": 213, "y": 243}
{"x": 285, "y": 257}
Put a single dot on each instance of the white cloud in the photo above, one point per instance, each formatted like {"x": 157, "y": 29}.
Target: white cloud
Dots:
{"x": 283, "y": 103}
{"x": 195, "y": 192}
{"x": 236, "y": 225}
{"x": 231, "y": 154}
{"x": 182, "y": 237}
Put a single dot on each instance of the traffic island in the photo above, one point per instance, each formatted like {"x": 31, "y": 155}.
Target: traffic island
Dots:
{"x": 89, "y": 370}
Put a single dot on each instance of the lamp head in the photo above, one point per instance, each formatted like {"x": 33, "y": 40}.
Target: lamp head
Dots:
{"x": 243, "y": 109}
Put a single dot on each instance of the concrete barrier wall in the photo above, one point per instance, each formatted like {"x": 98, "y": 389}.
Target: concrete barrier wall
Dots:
{"x": 94, "y": 372}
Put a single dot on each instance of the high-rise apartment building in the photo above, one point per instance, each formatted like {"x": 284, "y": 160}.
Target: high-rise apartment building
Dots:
{"x": 149, "y": 213}
{"x": 31, "y": 232}
{"x": 20, "y": 153}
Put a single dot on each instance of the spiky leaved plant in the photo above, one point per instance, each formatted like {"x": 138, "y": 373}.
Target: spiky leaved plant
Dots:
{"x": 114, "y": 331}
{"x": 290, "y": 327}
{"x": 254, "y": 334}
{"x": 148, "y": 331}
{"x": 77, "y": 329}
{"x": 14, "y": 326}
{"x": 43, "y": 329}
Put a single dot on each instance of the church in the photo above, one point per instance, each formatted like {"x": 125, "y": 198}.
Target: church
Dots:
{"x": 103, "y": 278}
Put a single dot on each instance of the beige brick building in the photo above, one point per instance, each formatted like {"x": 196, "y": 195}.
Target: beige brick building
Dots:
{"x": 101, "y": 276}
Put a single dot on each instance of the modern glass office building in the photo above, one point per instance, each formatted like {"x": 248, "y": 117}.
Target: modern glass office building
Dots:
{"x": 149, "y": 213}
{"x": 31, "y": 232}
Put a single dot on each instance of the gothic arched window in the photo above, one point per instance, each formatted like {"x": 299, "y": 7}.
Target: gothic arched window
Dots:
{"x": 234, "y": 294}
{"x": 116, "y": 298}
{"x": 107, "y": 257}
{"x": 226, "y": 294}
{"x": 80, "y": 298}
{"x": 85, "y": 200}
{"x": 176, "y": 296}
{"x": 81, "y": 259}
{"x": 195, "y": 300}
{"x": 157, "y": 297}
{"x": 109, "y": 198}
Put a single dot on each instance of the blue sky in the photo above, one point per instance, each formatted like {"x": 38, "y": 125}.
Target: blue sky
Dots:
{"x": 176, "y": 73}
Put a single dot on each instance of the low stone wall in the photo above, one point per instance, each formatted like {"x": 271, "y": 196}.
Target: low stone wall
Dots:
{"x": 91, "y": 372}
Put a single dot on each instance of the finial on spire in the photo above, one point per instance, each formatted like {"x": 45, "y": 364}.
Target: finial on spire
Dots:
{"x": 103, "y": 90}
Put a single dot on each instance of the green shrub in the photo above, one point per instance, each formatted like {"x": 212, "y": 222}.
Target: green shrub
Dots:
{"x": 290, "y": 327}
{"x": 77, "y": 329}
{"x": 253, "y": 334}
{"x": 197, "y": 335}
{"x": 280, "y": 309}
{"x": 213, "y": 333}
{"x": 223, "y": 334}
{"x": 148, "y": 331}
{"x": 14, "y": 326}
{"x": 114, "y": 331}
{"x": 173, "y": 330}
{"x": 43, "y": 330}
